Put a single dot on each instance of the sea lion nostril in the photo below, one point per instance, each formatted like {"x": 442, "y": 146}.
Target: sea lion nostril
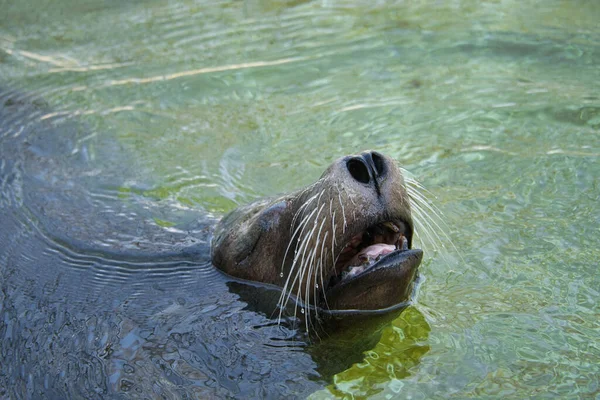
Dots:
{"x": 358, "y": 169}
{"x": 379, "y": 163}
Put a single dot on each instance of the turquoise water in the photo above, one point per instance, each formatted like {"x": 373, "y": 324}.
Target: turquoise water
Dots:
{"x": 492, "y": 106}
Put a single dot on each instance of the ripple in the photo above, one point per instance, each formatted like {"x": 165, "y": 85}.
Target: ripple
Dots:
{"x": 182, "y": 74}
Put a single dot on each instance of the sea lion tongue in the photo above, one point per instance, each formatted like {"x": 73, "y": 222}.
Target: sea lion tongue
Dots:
{"x": 365, "y": 258}
{"x": 372, "y": 252}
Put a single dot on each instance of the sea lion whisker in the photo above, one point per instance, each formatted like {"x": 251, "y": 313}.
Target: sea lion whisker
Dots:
{"x": 299, "y": 275}
{"x": 309, "y": 267}
{"x": 419, "y": 199}
{"x": 331, "y": 211}
{"x": 343, "y": 209}
{"x": 314, "y": 263}
{"x": 304, "y": 266}
{"x": 424, "y": 217}
{"x": 321, "y": 268}
{"x": 307, "y": 202}
{"x": 333, "y": 226}
{"x": 337, "y": 257}
{"x": 302, "y": 208}
{"x": 311, "y": 186}
{"x": 300, "y": 271}
{"x": 425, "y": 226}
{"x": 352, "y": 200}
{"x": 298, "y": 252}
{"x": 315, "y": 289}
{"x": 299, "y": 229}
{"x": 333, "y": 243}
{"x": 415, "y": 195}
{"x": 310, "y": 262}
{"x": 411, "y": 183}
{"x": 285, "y": 293}
{"x": 410, "y": 180}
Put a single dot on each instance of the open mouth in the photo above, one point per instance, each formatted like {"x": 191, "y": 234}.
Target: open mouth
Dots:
{"x": 367, "y": 248}
{"x": 375, "y": 270}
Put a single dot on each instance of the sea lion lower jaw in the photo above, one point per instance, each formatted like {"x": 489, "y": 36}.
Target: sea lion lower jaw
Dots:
{"x": 381, "y": 285}
{"x": 342, "y": 243}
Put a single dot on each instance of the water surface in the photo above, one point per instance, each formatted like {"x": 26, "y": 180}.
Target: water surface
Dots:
{"x": 188, "y": 108}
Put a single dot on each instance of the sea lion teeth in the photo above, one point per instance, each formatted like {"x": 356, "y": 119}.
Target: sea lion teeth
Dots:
{"x": 391, "y": 226}
{"x": 403, "y": 243}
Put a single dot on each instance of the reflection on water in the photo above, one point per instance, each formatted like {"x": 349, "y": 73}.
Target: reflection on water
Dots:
{"x": 388, "y": 362}
{"x": 171, "y": 110}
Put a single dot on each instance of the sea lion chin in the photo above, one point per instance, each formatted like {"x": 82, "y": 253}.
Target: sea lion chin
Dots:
{"x": 342, "y": 243}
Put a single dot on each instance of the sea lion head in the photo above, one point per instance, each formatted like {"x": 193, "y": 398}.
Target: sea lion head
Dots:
{"x": 342, "y": 243}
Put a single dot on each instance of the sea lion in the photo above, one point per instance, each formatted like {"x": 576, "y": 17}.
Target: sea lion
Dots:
{"x": 342, "y": 243}
{"x": 112, "y": 302}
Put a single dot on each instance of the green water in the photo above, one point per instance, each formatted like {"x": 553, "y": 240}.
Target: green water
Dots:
{"x": 493, "y": 106}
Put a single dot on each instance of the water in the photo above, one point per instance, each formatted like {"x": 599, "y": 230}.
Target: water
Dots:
{"x": 179, "y": 109}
